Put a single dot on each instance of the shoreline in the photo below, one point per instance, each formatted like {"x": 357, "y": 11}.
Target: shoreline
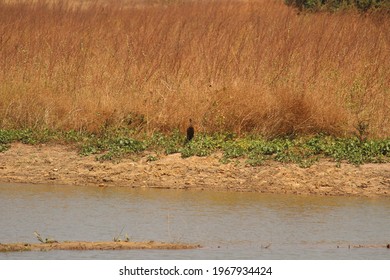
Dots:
{"x": 62, "y": 165}
{"x": 99, "y": 245}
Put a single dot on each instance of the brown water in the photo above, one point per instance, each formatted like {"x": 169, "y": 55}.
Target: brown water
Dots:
{"x": 228, "y": 225}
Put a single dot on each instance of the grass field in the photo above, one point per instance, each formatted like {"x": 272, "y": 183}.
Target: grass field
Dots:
{"x": 243, "y": 67}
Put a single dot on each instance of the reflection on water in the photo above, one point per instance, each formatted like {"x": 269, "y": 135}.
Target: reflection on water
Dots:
{"x": 228, "y": 225}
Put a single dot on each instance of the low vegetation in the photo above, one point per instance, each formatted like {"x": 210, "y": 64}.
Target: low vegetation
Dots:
{"x": 253, "y": 149}
{"x": 341, "y": 5}
{"x": 46, "y": 240}
{"x": 121, "y": 238}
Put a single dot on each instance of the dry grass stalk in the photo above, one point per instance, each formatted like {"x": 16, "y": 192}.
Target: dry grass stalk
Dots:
{"x": 244, "y": 66}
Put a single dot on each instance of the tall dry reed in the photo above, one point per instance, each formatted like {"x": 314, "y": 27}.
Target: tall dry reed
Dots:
{"x": 237, "y": 66}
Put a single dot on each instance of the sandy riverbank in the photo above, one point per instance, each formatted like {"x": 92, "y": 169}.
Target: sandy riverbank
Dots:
{"x": 57, "y": 164}
{"x": 102, "y": 245}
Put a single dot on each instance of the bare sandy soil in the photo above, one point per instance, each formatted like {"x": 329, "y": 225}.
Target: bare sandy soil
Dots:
{"x": 85, "y": 245}
{"x": 57, "y": 164}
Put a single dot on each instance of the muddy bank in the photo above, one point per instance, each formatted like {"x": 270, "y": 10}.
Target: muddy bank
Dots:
{"x": 57, "y": 164}
{"x": 85, "y": 245}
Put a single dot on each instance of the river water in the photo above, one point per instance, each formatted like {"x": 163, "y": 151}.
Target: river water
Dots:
{"x": 228, "y": 225}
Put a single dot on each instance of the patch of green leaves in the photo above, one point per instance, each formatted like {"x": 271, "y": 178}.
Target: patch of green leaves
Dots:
{"x": 357, "y": 152}
{"x": 33, "y": 137}
{"x": 336, "y": 5}
{"x": 25, "y": 136}
{"x": 303, "y": 151}
{"x": 169, "y": 144}
{"x": 201, "y": 146}
{"x": 112, "y": 147}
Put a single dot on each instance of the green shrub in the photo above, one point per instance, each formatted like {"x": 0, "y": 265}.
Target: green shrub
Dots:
{"x": 334, "y": 5}
{"x": 202, "y": 145}
{"x": 303, "y": 151}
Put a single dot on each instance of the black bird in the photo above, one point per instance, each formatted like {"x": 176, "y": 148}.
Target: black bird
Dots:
{"x": 190, "y": 132}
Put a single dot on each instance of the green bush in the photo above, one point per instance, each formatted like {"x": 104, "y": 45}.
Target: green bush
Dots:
{"x": 334, "y": 5}
{"x": 253, "y": 149}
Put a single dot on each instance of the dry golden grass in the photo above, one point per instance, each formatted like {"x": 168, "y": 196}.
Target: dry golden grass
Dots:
{"x": 238, "y": 66}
